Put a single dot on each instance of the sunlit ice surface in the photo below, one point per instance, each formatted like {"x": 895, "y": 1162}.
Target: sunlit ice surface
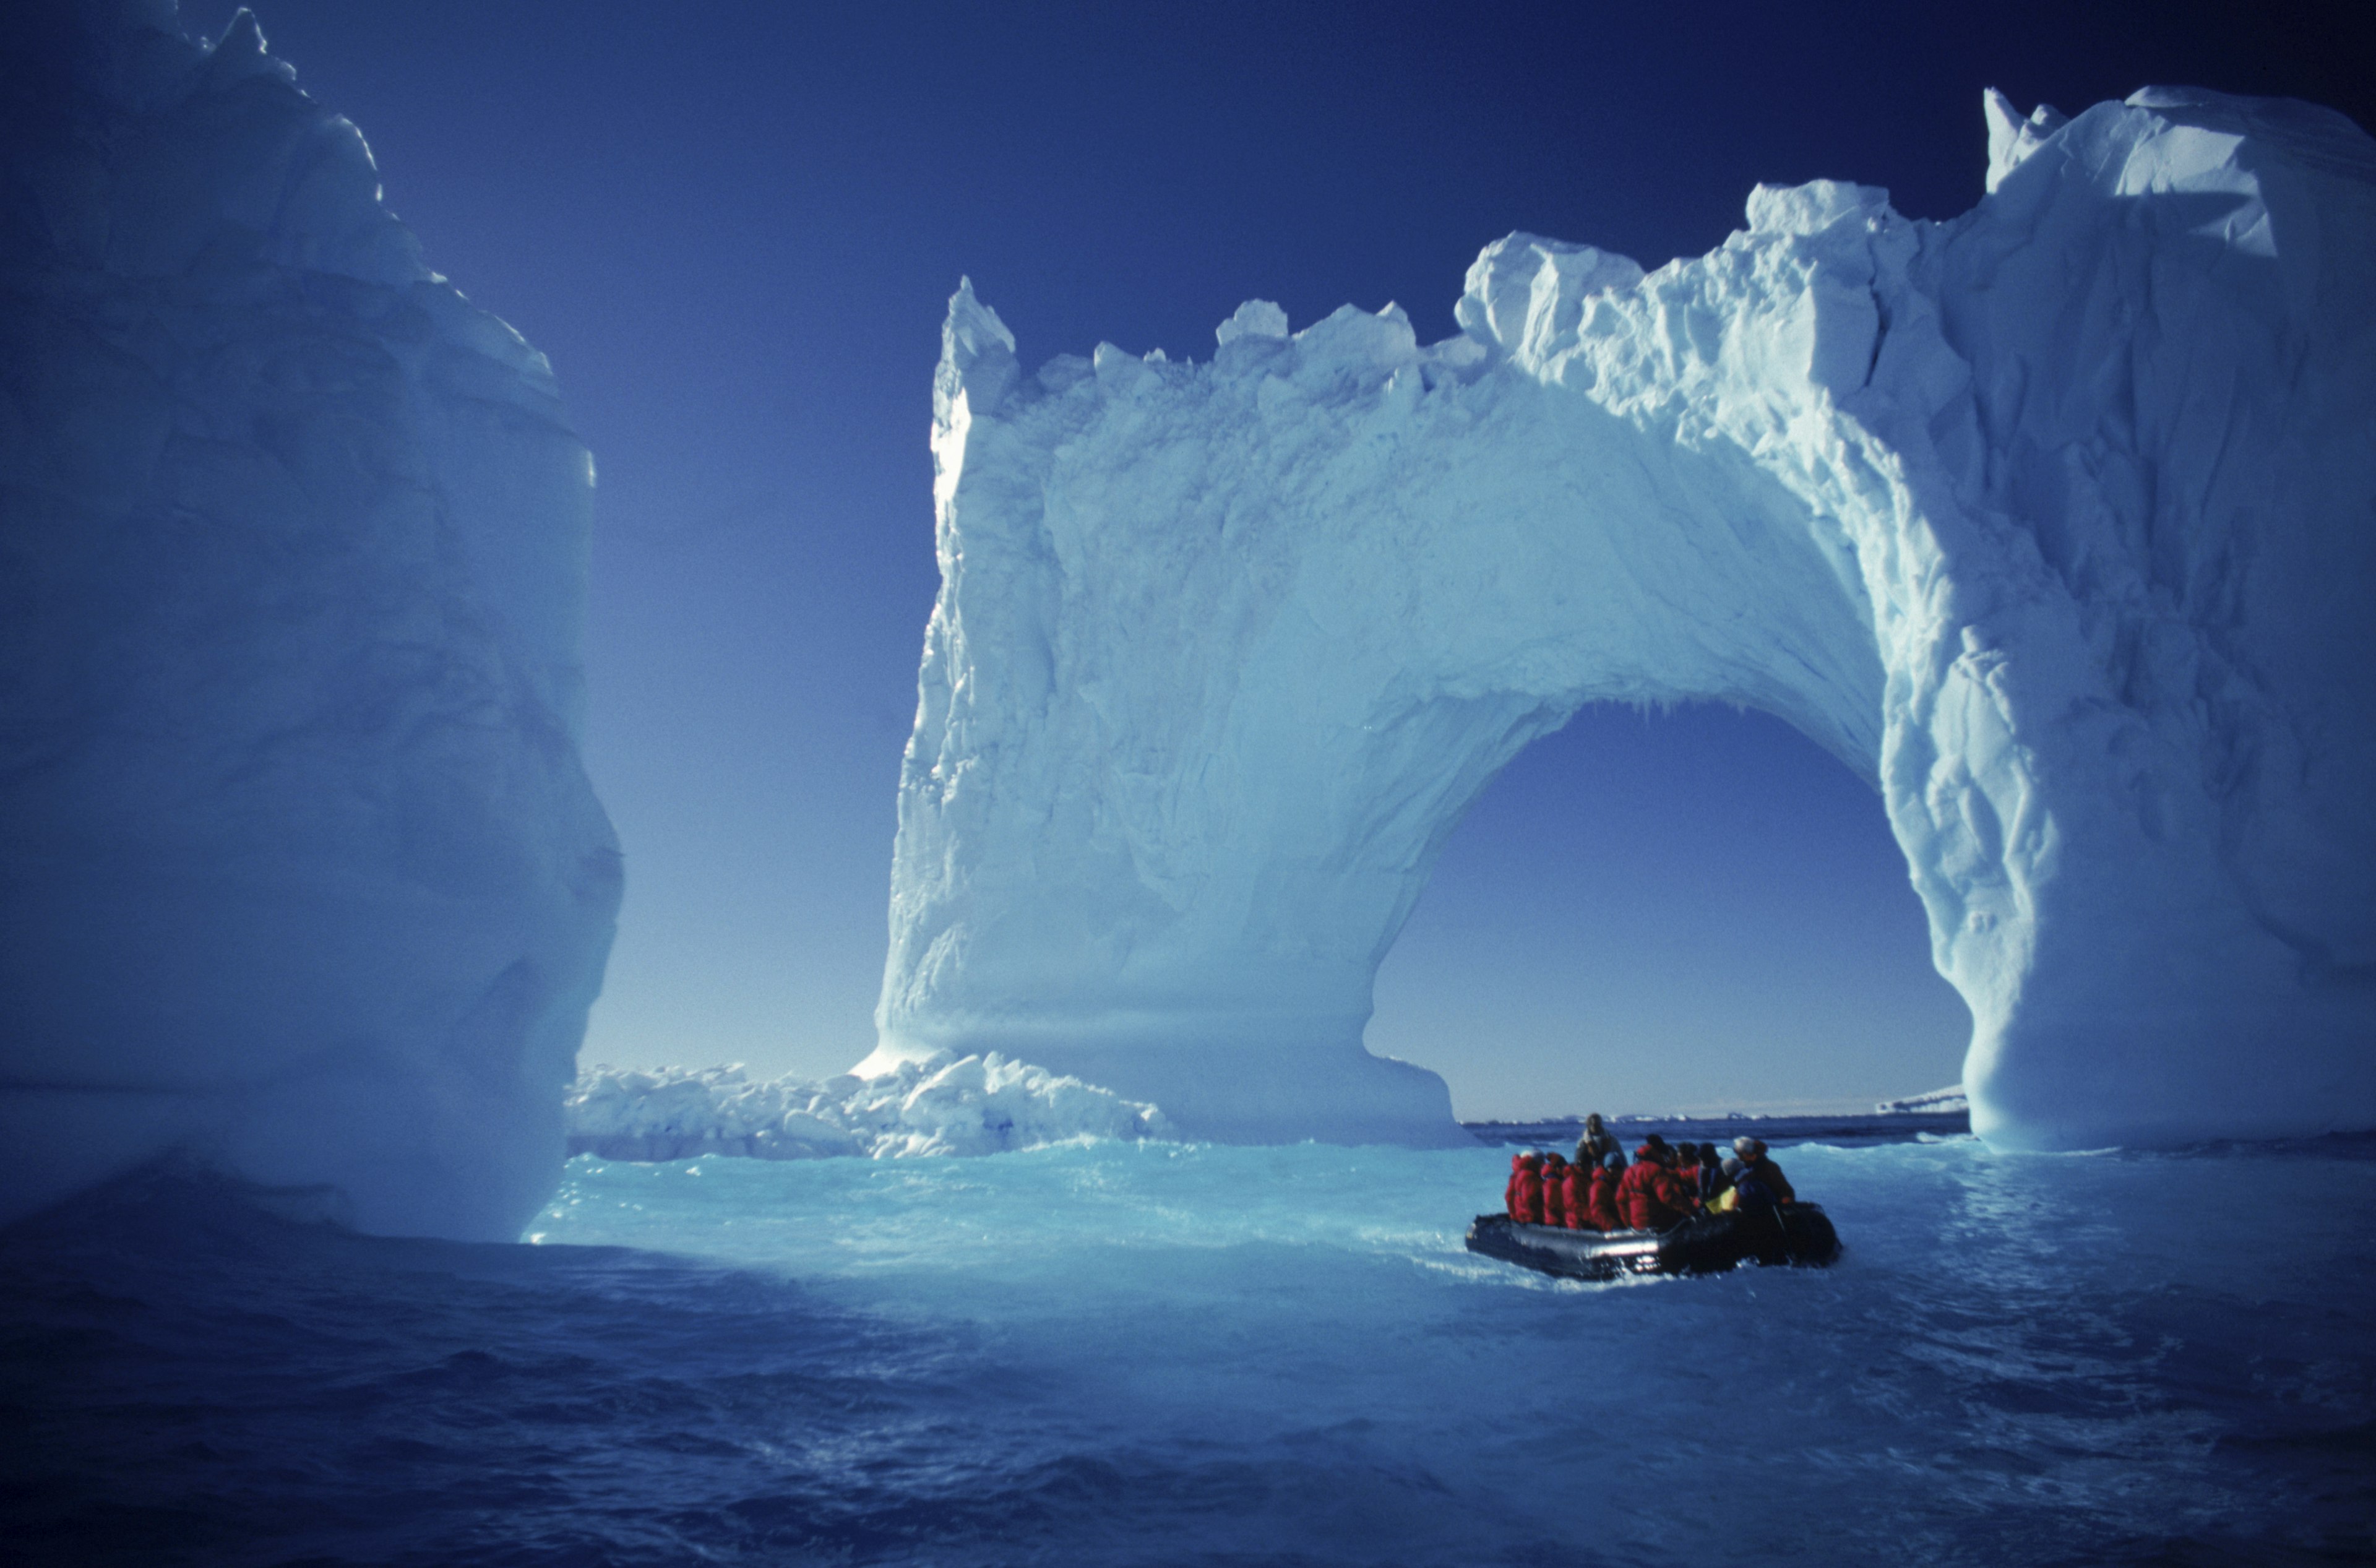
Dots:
{"x": 1152, "y": 1353}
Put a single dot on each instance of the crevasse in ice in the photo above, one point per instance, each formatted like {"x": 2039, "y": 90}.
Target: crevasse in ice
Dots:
{"x": 299, "y": 867}
{"x": 2053, "y": 521}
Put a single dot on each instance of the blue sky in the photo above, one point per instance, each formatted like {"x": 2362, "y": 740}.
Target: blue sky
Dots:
{"x": 733, "y": 229}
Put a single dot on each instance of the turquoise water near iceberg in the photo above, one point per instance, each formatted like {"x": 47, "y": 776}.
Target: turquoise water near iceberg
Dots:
{"x": 1163, "y": 1353}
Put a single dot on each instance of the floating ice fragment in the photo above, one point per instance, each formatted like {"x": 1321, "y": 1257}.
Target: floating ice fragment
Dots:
{"x": 943, "y": 1105}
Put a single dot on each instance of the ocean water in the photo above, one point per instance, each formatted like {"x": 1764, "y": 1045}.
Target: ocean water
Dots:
{"x": 1148, "y": 1353}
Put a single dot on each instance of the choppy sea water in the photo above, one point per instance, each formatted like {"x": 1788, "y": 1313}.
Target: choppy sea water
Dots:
{"x": 1164, "y": 1354}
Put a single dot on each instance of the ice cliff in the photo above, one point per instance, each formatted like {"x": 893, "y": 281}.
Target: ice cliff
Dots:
{"x": 299, "y": 870}
{"x": 2056, "y": 521}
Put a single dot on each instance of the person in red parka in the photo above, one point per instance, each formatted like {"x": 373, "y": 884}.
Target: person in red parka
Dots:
{"x": 1602, "y": 1206}
{"x": 1554, "y": 1192}
{"x": 1577, "y": 1183}
{"x": 1555, "y": 1169}
{"x": 1510, "y": 1187}
{"x": 1526, "y": 1191}
{"x": 1651, "y": 1197}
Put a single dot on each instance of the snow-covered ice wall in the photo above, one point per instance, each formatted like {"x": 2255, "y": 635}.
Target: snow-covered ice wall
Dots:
{"x": 2056, "y": 521}
{"x": 299, "y": 867}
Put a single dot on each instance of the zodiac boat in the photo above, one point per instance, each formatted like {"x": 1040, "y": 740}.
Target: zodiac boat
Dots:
{"x": 1706, "y": 1243}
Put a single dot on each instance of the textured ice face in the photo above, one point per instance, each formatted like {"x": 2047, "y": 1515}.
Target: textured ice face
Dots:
{"x": 973, "y": 1105}
{"x": 2053, "y": 521}
{"x": 298, "y": 864}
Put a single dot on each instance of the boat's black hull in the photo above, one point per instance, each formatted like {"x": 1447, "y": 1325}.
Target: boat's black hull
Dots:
{"x": 1706, "y": 1243}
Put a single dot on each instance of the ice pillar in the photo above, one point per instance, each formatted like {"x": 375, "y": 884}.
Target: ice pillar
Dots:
{"x": 299, "y": 869}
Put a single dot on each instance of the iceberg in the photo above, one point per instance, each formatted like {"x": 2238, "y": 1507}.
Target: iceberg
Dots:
{"x": 2052, "y": 521}
{"x": 299, "y": 867}
{"x": 945, "y": 1105}
{"x": 1937, "y": 1102}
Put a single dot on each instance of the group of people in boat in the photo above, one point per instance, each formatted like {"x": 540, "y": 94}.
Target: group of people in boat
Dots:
{"x": 1660, "y": 1186}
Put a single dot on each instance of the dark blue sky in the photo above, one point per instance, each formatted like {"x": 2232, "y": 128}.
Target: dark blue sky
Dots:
{"x": 733, "y": 229}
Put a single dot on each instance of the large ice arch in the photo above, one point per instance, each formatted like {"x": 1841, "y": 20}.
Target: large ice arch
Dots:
{"x": 2056, "y": 521}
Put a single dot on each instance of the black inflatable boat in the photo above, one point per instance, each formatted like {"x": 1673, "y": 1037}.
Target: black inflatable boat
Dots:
{"x": 1706, "y": 1243}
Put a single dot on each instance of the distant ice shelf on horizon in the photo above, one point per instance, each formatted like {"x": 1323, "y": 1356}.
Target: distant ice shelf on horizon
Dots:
{"x": 1952, "y": 1097}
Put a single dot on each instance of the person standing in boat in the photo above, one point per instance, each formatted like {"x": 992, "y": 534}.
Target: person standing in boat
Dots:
{"x": 1650, "y": 1195}
{"x": 1593, "y": 1149}
{"x": 1754, "y": 1163}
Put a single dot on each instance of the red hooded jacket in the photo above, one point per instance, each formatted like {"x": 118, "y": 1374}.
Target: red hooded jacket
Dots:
{"x": 1651, "y": 1197}
{"x": 1554, "y": 1190}
{"x": 1527, "y": 1193}
{"x": 1577, "y": 1188}
{"x": 1606, "y": 1214}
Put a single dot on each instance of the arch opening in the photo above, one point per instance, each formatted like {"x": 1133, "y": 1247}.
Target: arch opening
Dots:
{"x": 1694, "y": 910}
